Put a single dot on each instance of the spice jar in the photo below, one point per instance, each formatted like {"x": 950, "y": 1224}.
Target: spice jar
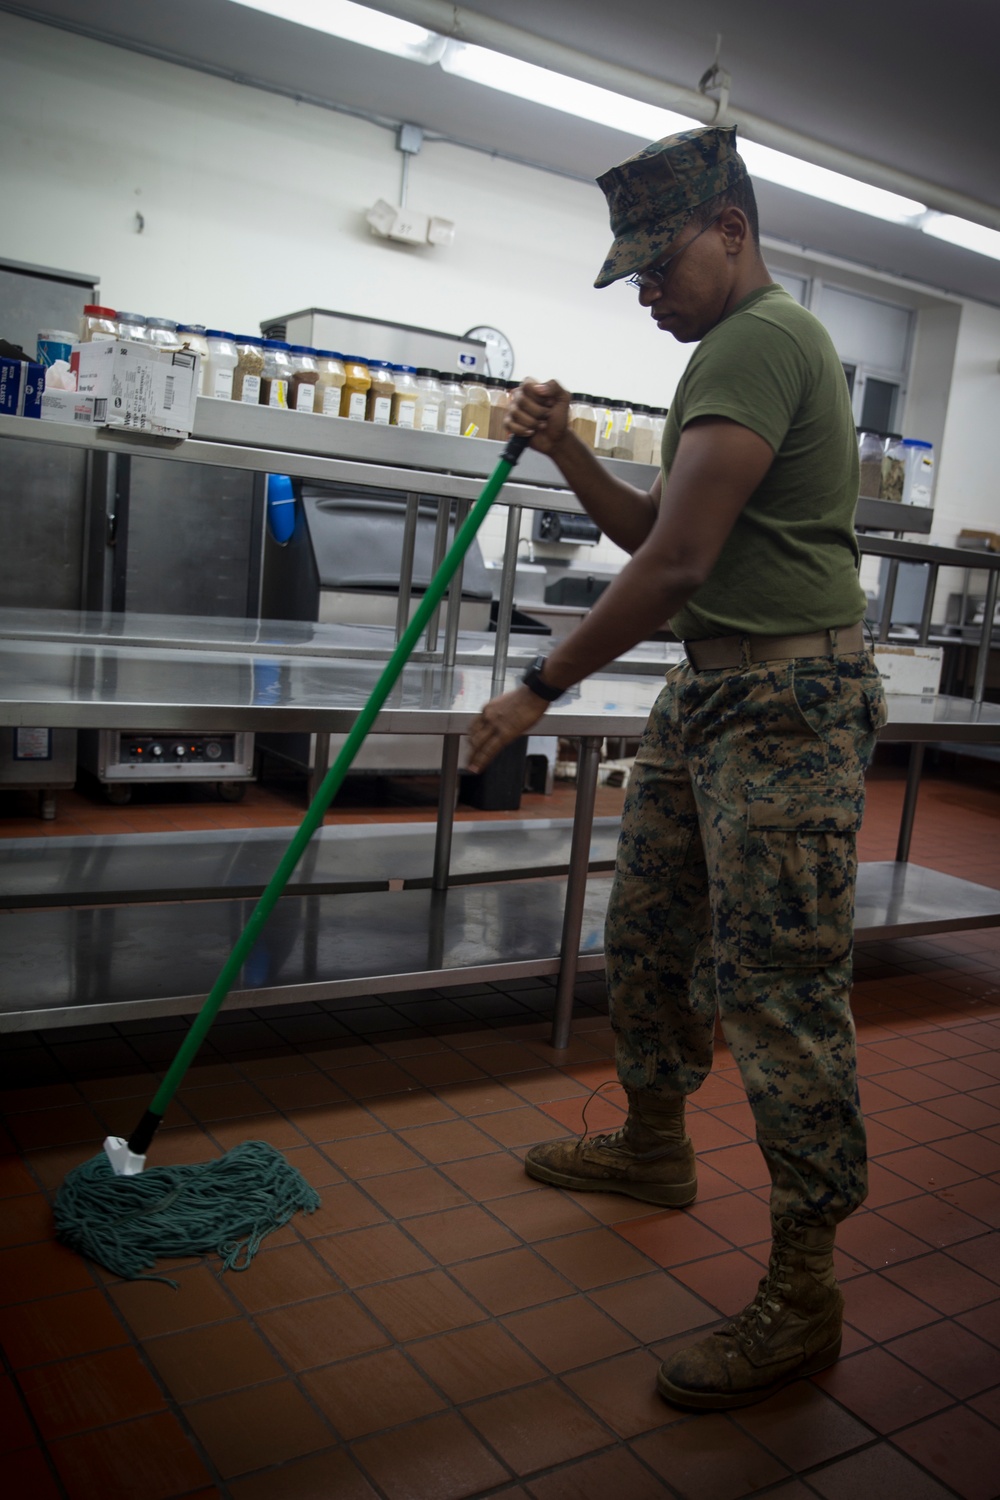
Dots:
{"x": 276, "y": 375}
{"x": 192, "y": 337}
{"x": 642, "y": 435}
{"x": 357, "y": 382}
{"x": 381, "y": 392}
{"x": 583, "y": 418}
{"x": 428, "y": 410}
{"x": 623, "y": 433}
{"x": 608, "y": 418}
{"x": 305, "y": 377}
{"x": 658, "y": 421}
{"x": 893, "y": 468}
{"x": 404, "y": 399}
{"x": 871, "y": 449}
{"x": 330, "y": 379}
{"x": 475, "y": 407}
{"x": 162, "y": 333}
{"x": 132, "y": 327}
{"x": 98, "y": 323}
{"x": 452, "y": 404}
{"x": 499, "y": 401}
{"x": 249, "y": 368}
{"x": 219, "y": 365}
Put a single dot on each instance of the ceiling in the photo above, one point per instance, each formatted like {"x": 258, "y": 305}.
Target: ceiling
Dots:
{"x": 903, "y": 84}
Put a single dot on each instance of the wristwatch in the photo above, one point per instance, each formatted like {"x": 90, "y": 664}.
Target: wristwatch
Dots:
{"x": 534, "y": 680}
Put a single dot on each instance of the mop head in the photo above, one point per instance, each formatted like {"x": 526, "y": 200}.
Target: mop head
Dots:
{"x": 226, "y": 1206}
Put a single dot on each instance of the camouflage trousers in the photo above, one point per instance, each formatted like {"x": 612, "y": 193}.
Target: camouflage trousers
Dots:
{"x": 734, "y": 895}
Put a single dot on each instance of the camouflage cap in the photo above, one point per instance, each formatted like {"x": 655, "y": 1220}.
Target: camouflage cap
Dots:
{"x": 656, "y": 192}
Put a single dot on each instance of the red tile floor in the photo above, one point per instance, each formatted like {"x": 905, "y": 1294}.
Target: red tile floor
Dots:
{"x": 443, "y": 1327}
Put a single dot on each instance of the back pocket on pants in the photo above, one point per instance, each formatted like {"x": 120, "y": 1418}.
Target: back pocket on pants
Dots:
{"x": 799, "y": 868}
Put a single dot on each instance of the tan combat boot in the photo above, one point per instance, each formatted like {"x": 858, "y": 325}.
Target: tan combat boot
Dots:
{"x": 650, "y": 1157}
{"x": 790, "y": 1329}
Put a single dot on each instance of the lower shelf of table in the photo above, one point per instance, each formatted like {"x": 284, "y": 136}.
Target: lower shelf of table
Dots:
{"x": 111, "y": 963}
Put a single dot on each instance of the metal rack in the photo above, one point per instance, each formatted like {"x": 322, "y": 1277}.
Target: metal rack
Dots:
{"x": 137, "y": 673}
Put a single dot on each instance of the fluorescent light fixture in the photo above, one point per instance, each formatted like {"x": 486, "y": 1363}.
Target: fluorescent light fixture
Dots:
{"x": 357, "y": 23}
{"x": 832, "y": 187}
{"x": 570, "y": 95}
{"x": 963, "y": 232}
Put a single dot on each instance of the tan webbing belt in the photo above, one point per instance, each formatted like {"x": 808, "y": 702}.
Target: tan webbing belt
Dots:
{"x": 744, "y": 650}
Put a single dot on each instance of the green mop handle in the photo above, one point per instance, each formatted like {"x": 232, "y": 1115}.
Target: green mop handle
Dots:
{"x": 143, "y": 1133}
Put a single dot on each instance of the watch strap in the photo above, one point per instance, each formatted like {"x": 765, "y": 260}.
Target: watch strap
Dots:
{"x": 534, "y": 680}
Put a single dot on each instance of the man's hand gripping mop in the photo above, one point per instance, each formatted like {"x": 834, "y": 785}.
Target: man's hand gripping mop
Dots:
{"x": 122, "y": 1216}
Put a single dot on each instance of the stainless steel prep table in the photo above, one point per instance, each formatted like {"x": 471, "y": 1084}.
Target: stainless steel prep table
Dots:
{"x": 134, "y": 960}
{"x": 104, "y": 671}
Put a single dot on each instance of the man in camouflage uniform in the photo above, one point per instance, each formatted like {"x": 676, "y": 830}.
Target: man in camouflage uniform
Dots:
{"x": 734, "y": 887}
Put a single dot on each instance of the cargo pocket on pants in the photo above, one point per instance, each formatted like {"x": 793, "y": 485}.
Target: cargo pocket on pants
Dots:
{"x": 799, "y": 868}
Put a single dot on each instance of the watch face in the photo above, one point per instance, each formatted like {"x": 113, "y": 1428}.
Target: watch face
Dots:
{"x": 499, "y": 352}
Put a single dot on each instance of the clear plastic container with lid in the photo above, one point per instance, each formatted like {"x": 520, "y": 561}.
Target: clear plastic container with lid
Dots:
{"x": 624, "y": 441}
{"x": 98, "y": 323}
{"x": 583, "y": 418}
{"x": 428, "y": 412}
{"x": 132, "y": 327}
{"x": 329, "y": 382}
{"x": 871, "y": 450}
{"x": 893, "y": 468}
{"x": 305, "y": 378}
{"x": 405, "y": 396}
{"x": 219, "y": 364}
{"x": 249, "y": 368}
{"x": 192, "y": 337}
{"x": 642, "y": 435}
{"x": 380, "y": 392}
{"x": 452, "y": 404}
{"x": 918, "y": 488}
{"x": 276, "y": 375}
{"x": 475, "y": 407}
{"x": 357, "y": 383}
{"x": 609, "y": 416}
{"x": 658, "y": 420}
{"x": 162, "y": 333}
{"x": 499, "y": 392}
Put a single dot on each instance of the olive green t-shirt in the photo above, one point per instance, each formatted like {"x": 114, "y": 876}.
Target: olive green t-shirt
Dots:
{"x": 790, "y": 563}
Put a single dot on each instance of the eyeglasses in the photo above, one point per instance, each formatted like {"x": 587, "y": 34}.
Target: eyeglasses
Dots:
{"x": 655, "y": 279}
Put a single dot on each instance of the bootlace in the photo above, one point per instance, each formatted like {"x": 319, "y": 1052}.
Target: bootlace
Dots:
{"x": 608, "y": 1137}
{"x": 749, "y": 1325}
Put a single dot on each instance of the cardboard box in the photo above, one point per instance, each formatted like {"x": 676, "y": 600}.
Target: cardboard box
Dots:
{"x": 21, "y": 387}
{"x": 138, "y": 387}
{"x": 987, "y": 541}
{"x": 67, "y": 406}
{"x": 915, "y": 670}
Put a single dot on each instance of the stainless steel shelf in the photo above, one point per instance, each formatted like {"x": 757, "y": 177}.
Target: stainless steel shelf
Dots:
{"x": 117, "y": 963}
{"x": 137, "y": 867}
{"x": 266, "y": 441}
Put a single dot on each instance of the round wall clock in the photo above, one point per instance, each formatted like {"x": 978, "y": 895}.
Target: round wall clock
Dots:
{"x": 499, "y": 352}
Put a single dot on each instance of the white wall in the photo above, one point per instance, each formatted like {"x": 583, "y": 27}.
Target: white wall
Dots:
{"x": 253, "y": 206}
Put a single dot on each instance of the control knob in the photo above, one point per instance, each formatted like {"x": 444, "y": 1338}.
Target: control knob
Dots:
{"x": 156, "y": 751}
{"x": 213, "y": 750}
{"x": 179, "y": 751}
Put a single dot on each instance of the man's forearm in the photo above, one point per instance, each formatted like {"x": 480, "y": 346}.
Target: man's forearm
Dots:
{"x": 624, "y": 513}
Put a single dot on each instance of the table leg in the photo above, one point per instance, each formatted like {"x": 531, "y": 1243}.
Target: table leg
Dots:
{"x": 576, "y": 885}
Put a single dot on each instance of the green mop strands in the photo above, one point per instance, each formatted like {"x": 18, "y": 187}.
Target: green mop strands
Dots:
{"x": 110, "y": 1210}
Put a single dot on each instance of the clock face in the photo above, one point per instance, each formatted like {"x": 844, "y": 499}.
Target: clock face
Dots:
{"x": 499, "y": 353}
